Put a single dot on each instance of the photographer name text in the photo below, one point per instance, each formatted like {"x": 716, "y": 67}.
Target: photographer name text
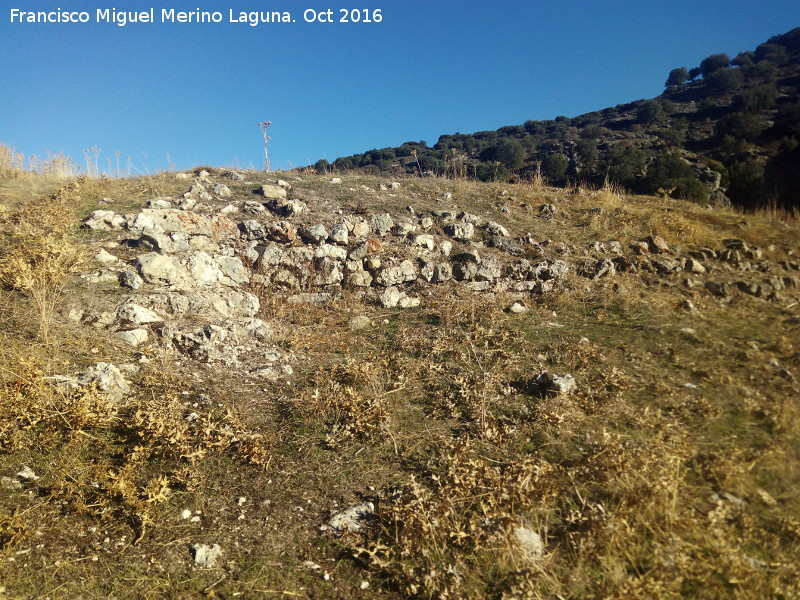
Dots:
{"x": 171, "y": 16}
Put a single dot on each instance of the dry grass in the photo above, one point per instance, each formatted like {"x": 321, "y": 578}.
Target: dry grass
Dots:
{"x": 39, "y": 253}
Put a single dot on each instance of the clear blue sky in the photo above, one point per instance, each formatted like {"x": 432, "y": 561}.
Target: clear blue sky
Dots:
{"x": 196, "y": 92}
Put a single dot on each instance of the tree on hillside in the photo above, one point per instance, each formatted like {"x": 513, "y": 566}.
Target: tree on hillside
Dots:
{"x": 787, "y": 120}
{"x": 724, "y": 80}
{"x": 508, "y": 152}
{"x": 739, "y": 125}
{"x": 713, "y": 63}
{"x": 761, "y": 97}
{"x": 677, "y": 77}
{"x": 670, "y": 171}
{"x": 321, "y": 166}
{"x": 650, "y": 111}
{"x": 773, "y": 53}
{"x": 555, "y": 167}
{"x": 626, "y": 164}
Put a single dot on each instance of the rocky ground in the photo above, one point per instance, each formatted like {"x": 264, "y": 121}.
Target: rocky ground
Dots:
{"x": 322, "y": 386}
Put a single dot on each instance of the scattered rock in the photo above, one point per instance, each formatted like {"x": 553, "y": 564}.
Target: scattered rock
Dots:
{"x": 137, "y": 315}
{"x": 205, "y": 555}
{"x": 529, "y": 543}
{"x": 315, "y": 234}
{"x": 351, "y": 519}
{"x": 130, "y": 280}
{"x": 107, "y": 378}
{"x": 134, "y": 337}
{"x": 160, "y": 269}
{"x": 274, "y": 192}
{"x": 657, "y": 245}
{"x": 518, "y": 307}
{"x": 381, "y": 224}
{"x": 559, "y": 384}
{"x": 462, "y": 232}
{"x": 104, "y": 220}
{"x": 360, "y": 322}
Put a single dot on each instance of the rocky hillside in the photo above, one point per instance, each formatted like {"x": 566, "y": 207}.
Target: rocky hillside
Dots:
{"x": 725, "y": 131}
{"x": 220, "y": 384}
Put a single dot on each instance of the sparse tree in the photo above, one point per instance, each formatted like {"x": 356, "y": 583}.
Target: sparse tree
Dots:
{"x": 555, "y": 166}
{"x": 677, "y": 77}
{"x": 713, "y": 63}
{"x": 650, "y": 111}
{"x": 725, "y": 80}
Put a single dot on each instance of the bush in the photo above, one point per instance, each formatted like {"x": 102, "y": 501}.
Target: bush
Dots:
{"x": 625, "y": 165}
{"x": 509, "y": 152}
{"x": 555, "y": 167}
{"x": 492, "y": 172}
{"x": 670, "y": 171}
{"x": 40, "y": 253}
{"x": 746, "y": 183}
{"x": 787, "y": 120}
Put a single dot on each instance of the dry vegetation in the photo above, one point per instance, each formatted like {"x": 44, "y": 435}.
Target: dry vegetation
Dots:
{"x": 671, "y": 472}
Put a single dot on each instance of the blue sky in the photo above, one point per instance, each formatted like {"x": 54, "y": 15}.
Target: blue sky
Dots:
{"x": 195, "y": 92}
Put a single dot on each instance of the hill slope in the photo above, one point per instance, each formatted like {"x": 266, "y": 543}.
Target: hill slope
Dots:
{"x": 223, "y": 386}
{"x": 727, "y": 130}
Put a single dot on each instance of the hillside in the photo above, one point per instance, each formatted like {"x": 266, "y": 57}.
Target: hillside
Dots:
{"x": 214, "y": 384}
{"x": 725, "y": 131}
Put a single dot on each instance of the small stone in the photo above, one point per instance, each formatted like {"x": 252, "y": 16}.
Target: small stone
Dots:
{"x": 221, "y": 190}
{"x": 390, "y": 297}
{"x": 10, "y": 483}
{"x": 134, "y": 337}
{"x": 273, "y": 192}
{"x": 657, "y": 245}
{"x": 462, "y": 232}
{"x": 137, "y": 315}
{"x": 518, "y": 307}
{"x": 205, "y": 555}
{"x": 130, "y": 280}
{"x": 381, "y": 224}
{"x": 339, "y": 235}
{"x": 107, "y": 378}
{"x": 529, "y": 543}
{"x": 560, "y": 384}
{"x": 316, "y": 234}
{"x": 186, "y": 514}
{"x": 105, "y": 258}
{"x": 351, "y": 519}
{"x": 360, "y": 322}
